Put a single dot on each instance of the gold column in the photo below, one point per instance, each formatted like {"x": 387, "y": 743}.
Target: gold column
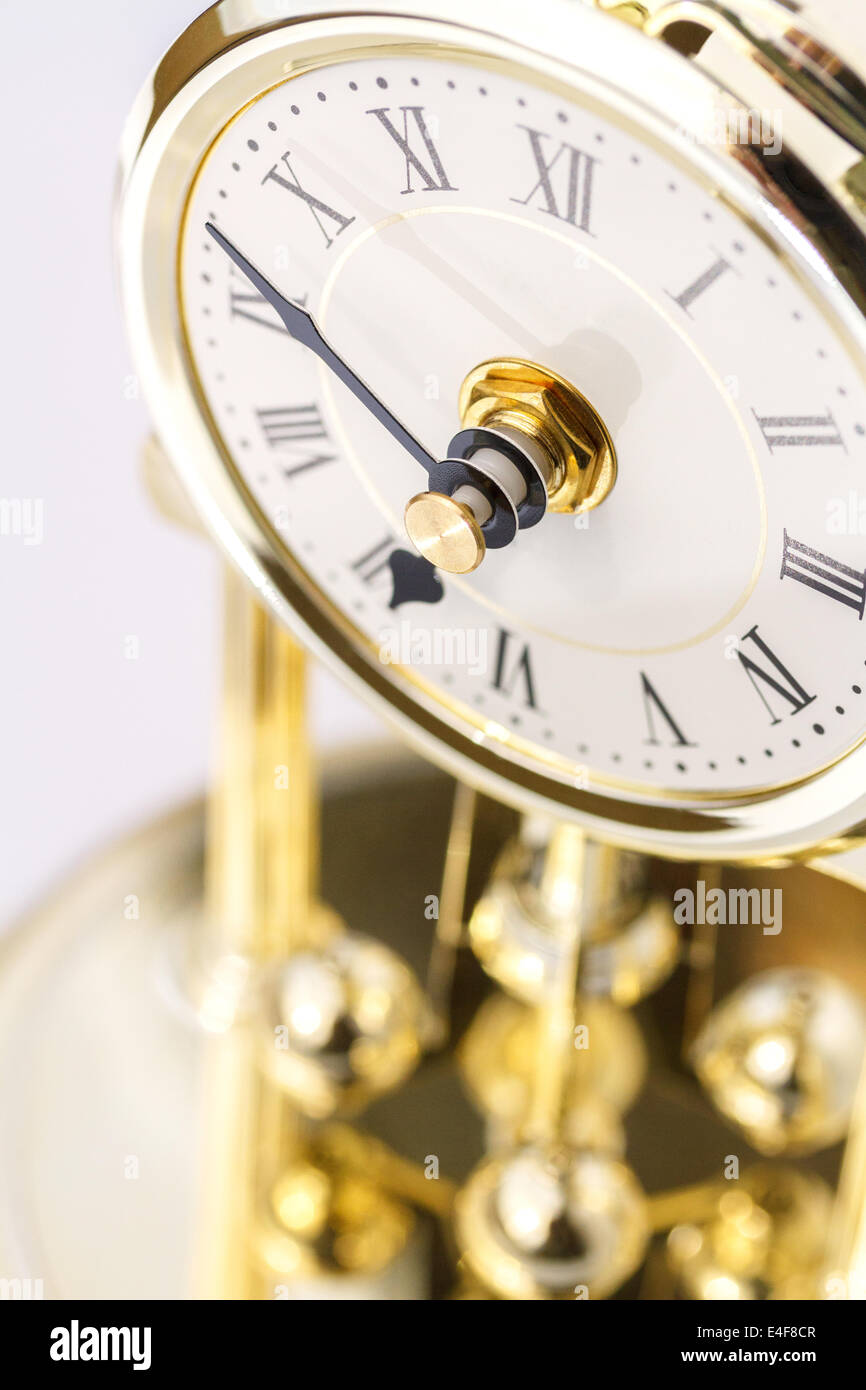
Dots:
{"x": 262, "y": 859}
{"x": 845, "y": 1273}
{"x": 562, "y": 891}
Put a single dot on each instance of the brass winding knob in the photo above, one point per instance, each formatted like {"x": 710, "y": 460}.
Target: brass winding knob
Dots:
{"x": 446, "y": 532}
{"x": 530, "y": 443}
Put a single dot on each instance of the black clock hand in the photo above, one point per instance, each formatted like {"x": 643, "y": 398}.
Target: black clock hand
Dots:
{"x": 415, "y": 579}
{"x": 303, "y": 328}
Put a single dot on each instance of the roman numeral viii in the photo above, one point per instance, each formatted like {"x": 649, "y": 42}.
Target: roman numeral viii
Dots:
{"x": 291, "y": 427}
{"x": 432, "y": 172}
{"x": 772, "y": 675}
{"x": 564, "y": 185}
{"x": 823, "y": 574}
{"x": 321, "y": 211}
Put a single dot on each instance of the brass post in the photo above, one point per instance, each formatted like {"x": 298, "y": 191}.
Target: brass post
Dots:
{"x": 260, "y": 883}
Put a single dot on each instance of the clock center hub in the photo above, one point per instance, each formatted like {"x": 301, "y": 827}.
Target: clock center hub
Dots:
{"x": 530, "y": 443}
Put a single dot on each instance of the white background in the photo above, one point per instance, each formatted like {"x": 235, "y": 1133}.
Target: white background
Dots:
{"x": 91, "y": 743}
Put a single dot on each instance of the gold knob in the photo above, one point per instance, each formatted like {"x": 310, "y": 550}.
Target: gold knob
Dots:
{"x": 563, "y": 445}
{"x": 445, "y": 531}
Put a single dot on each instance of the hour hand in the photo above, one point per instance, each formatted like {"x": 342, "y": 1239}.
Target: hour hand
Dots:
{"x": 304, "y": 329}
{"x": 298, "y": 323}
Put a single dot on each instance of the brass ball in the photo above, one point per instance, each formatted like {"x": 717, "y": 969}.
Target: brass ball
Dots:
{"x": 623, "y": 958}
{"x": 328, "y": 1230}
{"x": 497, "y": 1060}
{"x": 764, "y": 1236}
{"x": 344, "y": 1025}
{"x": 781, "y": 1056}
{"x": 551, "y": 1222}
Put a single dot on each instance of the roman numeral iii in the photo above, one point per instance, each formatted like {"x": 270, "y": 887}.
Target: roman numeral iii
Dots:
{"x": 823, "y": 574}
{"x": 564, "y": 186}
{"x": 429, "y": 169}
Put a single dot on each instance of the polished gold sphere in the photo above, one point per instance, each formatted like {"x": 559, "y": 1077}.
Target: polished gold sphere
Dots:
{"x": 781, "y": 1056}
{"x": 498, "y": 1061}
{"x": 626, "y": 953}
{"x": 344, "y": 1025}
{"x": 326, "y": 1227}
{"x": 763, "y": 1236}
{"x": 551, "y": 1222}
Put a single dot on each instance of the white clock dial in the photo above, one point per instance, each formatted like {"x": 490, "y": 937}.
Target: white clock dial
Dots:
{"x": 700, "y": 632}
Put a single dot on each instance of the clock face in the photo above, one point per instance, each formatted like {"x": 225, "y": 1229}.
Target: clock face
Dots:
{"x": 700, "y": 632}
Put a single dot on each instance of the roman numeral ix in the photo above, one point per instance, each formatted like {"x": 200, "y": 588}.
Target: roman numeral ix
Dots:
{"x": 247, "y": 303}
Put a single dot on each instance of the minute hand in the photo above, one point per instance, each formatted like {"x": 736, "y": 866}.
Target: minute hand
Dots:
{"x": 304, "y": 329}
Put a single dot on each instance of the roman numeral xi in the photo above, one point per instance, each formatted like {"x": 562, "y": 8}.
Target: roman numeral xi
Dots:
{"x": 428, "y": 168}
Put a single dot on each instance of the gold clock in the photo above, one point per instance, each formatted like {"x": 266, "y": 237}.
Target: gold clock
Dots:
{"x": 515, "y": 358}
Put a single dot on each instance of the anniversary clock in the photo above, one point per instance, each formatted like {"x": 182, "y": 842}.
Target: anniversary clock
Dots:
{"x": 514, "y": 357}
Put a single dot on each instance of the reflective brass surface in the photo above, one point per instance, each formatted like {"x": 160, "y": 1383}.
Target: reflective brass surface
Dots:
{"x": 445, "y": 532}
{"x": 781, "y": 1058}
{"x": 55, "y": 978}
{"x": 541, "y": 404}
{"x": 762, "y": 1237}
{"x": 342, "y": 1025}
{"x": 552, "y": 1223}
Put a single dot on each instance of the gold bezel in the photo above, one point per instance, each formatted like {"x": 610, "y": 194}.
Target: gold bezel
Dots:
{"x": 227, "y": 59}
